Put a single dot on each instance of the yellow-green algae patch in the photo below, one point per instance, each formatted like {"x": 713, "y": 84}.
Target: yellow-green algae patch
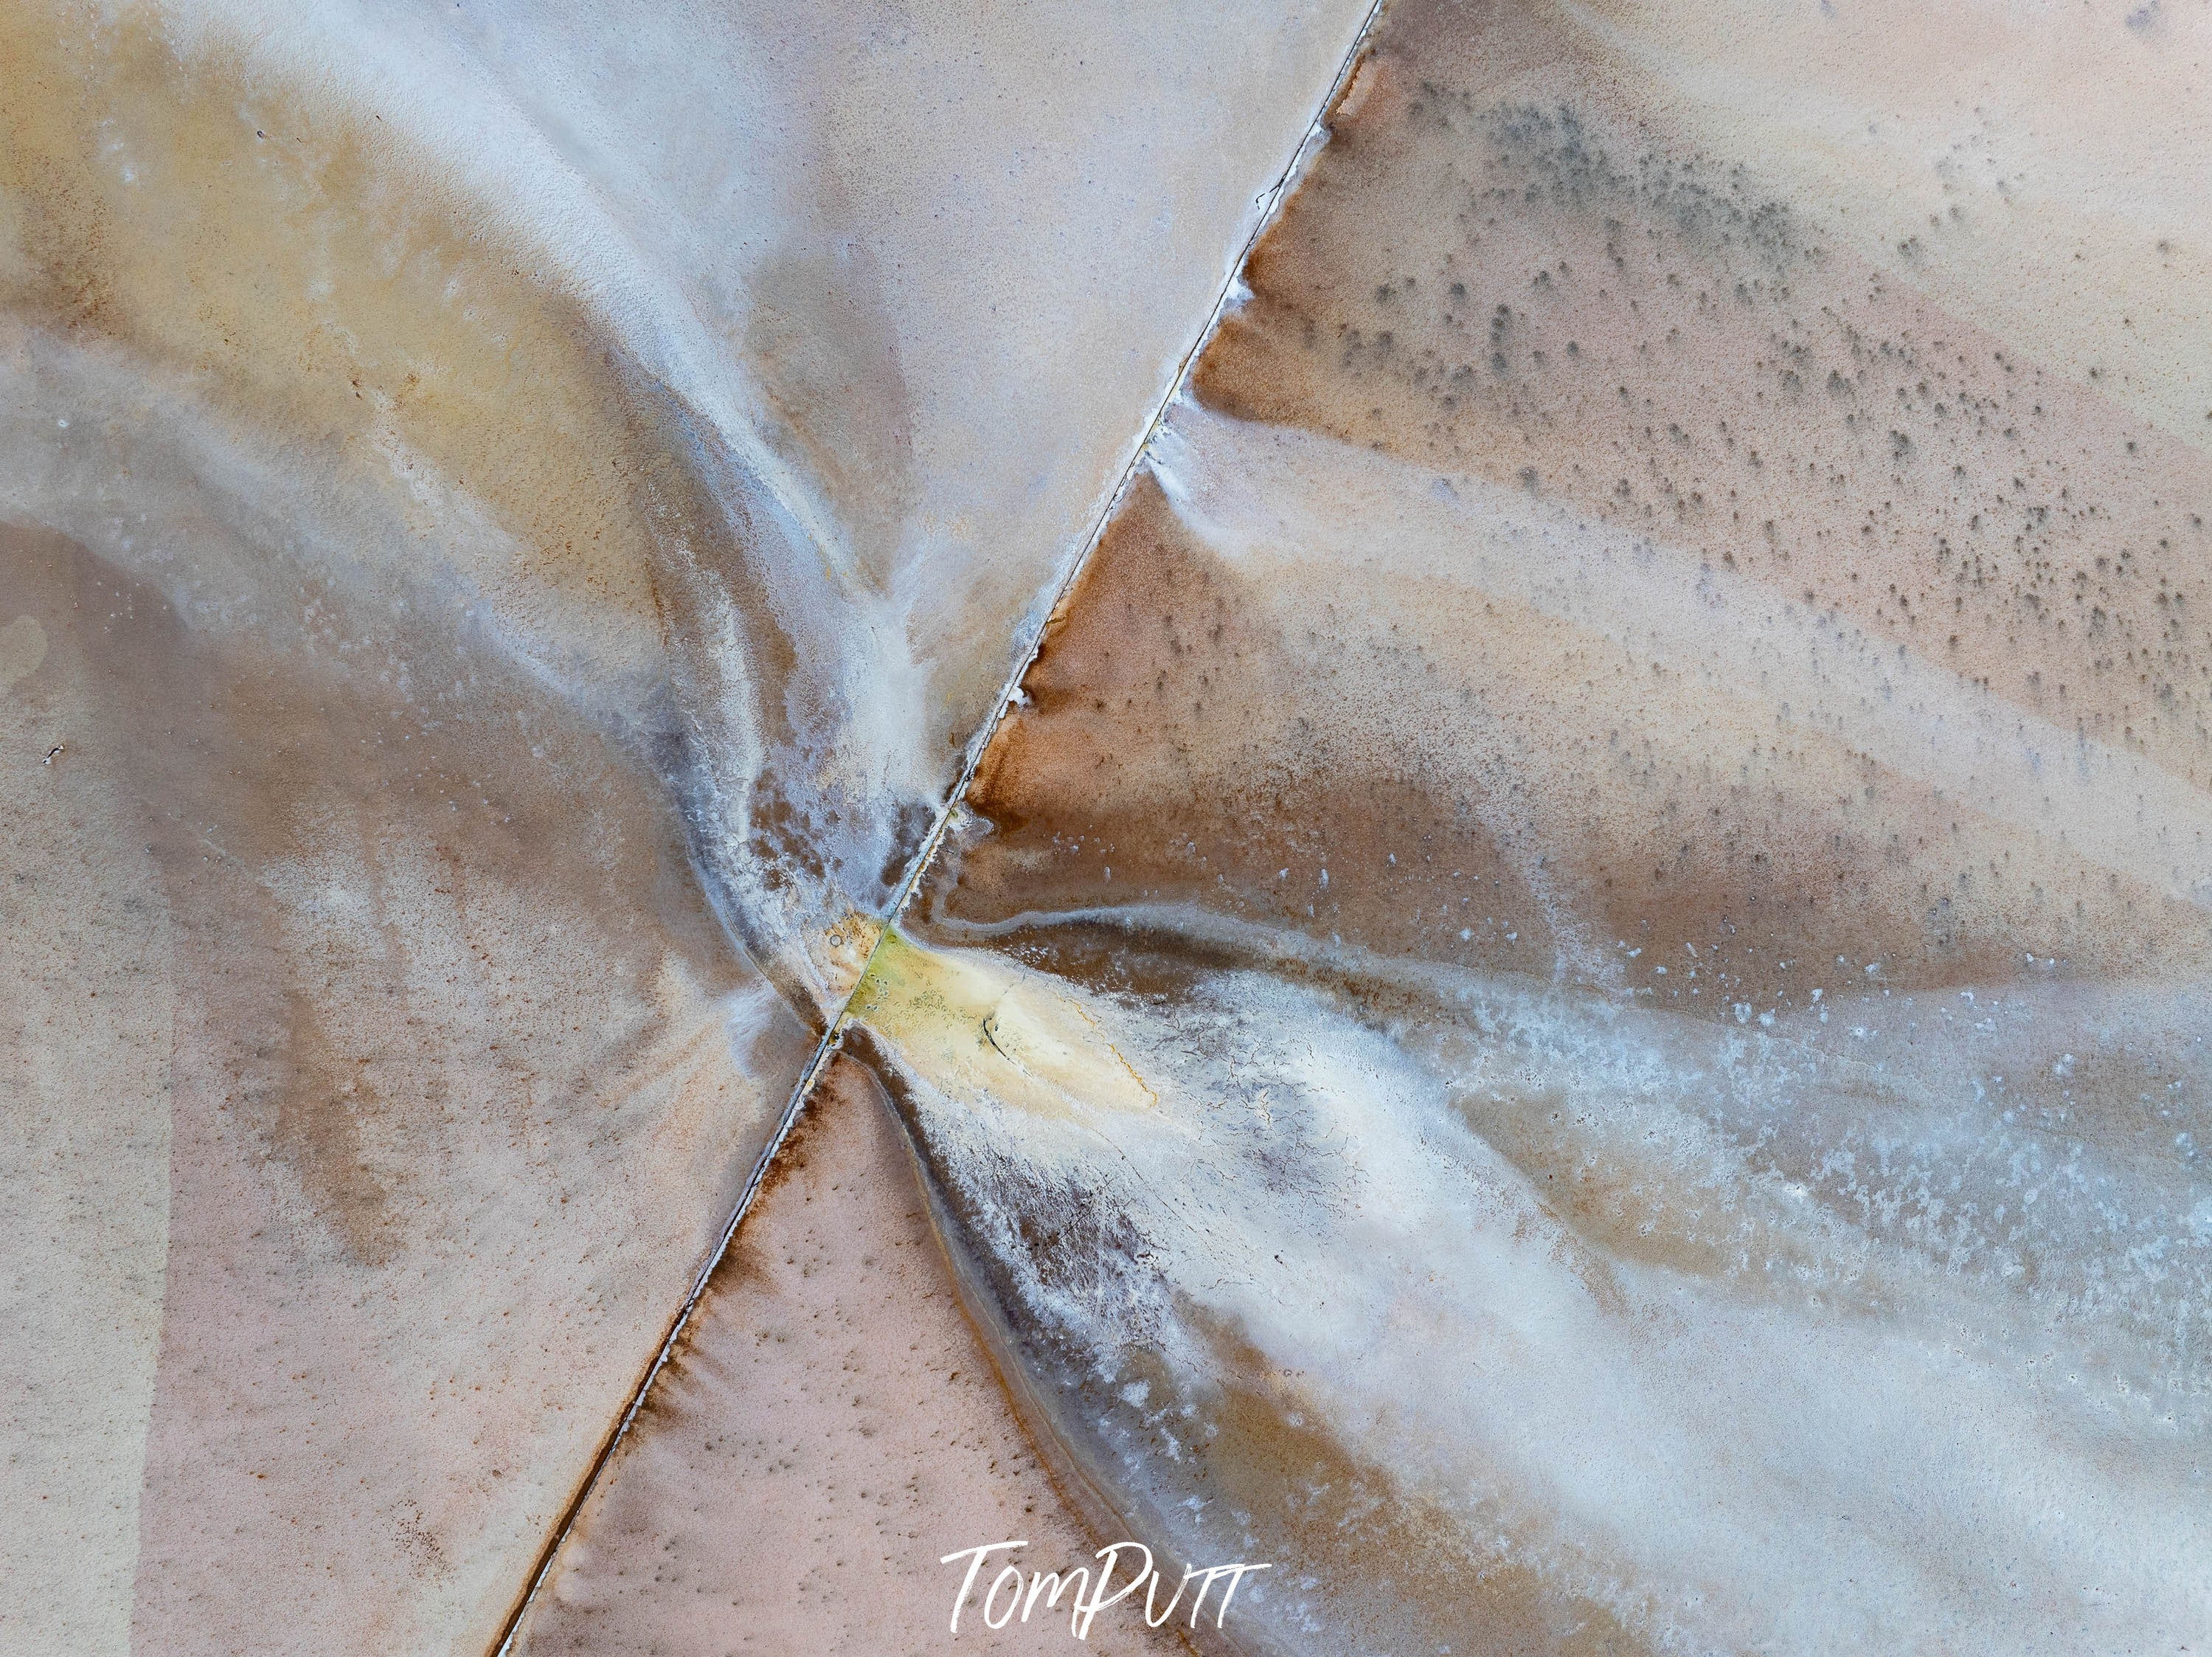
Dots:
{"x": 972, "y": 1024}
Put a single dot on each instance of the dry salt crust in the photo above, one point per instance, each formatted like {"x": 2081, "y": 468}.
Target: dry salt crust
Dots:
{"x": 1571, "y": 1004}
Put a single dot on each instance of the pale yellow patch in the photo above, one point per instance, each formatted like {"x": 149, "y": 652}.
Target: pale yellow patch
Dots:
{"x": 972, "y": 1025}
